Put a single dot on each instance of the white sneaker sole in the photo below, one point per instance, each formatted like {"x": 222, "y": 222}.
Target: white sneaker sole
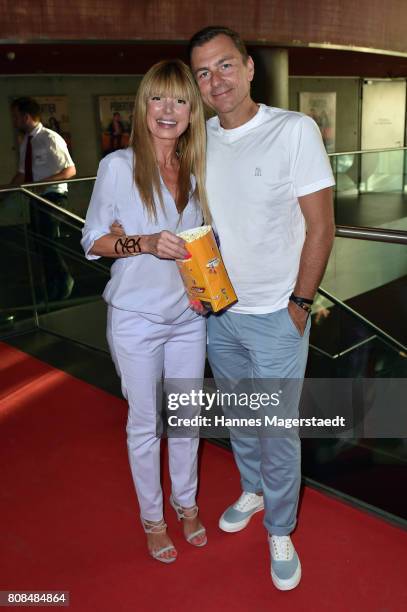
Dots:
{"x": 234, "y": 527}
{"x": 287, "y": 585}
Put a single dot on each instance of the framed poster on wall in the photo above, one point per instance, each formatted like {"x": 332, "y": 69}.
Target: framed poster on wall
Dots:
{"x": 383, "y": 126}
{"x": 321, "y": 106}
{"x": 55, "y": 115}
{"x": 115, "y": 114}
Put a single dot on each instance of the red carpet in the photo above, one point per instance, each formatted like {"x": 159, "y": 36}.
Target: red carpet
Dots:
{"x": 69, "y": 519}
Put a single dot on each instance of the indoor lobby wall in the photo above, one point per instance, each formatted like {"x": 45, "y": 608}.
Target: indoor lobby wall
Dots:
{"x": 347, "y": 105}
{"x": 82, "y": 93}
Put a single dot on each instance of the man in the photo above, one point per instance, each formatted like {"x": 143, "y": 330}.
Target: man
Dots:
{"x": 268, "y": 178}
{"x": 44, "y": 156}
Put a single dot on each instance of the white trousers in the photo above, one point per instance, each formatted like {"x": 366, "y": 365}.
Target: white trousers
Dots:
{"x": 146, "y": 353}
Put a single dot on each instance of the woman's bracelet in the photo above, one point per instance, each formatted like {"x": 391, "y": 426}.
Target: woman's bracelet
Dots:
{"x": 127, "y": 245}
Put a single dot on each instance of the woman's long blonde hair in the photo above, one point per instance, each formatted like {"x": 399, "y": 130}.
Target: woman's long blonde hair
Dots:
{"x": 173, "y": 79}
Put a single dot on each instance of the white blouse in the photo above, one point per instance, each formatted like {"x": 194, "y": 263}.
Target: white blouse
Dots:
{"x": 144, "y": 283}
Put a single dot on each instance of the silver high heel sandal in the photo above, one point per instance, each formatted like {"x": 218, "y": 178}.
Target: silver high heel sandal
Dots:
{"x": 161, "y": 527}
{"x": 182, "y": 516}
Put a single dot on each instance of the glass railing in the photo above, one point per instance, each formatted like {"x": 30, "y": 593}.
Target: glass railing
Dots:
{"x": 46, "y": 281}
{"x": 362, "y": 177}
{"x": 359, "y": 332}
{"x": 358, "y": 319}
{"x": 361, "y": 304}
{"x": 371, "y": 278}
{"x": 17, "y": 308}
{"x": 370, "y": 171}
{"x": 77, "y": 197}
{"x": 357, "y": 271}
{"x": 343, "y": 344}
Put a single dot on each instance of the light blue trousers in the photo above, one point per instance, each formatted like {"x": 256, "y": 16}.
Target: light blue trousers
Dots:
{"x": 266, "y": 346}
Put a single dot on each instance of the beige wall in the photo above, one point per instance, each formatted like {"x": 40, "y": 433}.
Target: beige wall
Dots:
{"x": 82, "y": 92}
{"x": 347, "y": 105}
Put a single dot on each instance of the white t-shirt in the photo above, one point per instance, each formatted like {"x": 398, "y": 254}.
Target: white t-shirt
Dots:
{"x": 255, "y": 174}
{"x": 143, "y": 283}
{"x": 50, "y": 155}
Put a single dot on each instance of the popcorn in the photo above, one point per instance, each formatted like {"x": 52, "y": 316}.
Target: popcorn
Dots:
{"x": 204, "y": 274}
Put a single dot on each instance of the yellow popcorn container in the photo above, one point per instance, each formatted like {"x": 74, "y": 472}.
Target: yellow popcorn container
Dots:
{"x": 204, "y": 273}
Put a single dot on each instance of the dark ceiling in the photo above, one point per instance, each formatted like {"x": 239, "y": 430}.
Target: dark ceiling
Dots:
{"x": 126, "y": 58}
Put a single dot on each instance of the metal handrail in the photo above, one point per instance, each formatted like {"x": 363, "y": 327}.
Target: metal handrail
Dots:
{"x": 334, "y": 356}
{"x": 362, "y": 151}
{"x": 374, "y": 234}
{"x": 377, "y": 234}
{"x": 342, "y": 231}
{"x": 378, "y": 331}
{"x": 92, "y": 178}
{"x": 31, "y": 194}
{"x": 10, "y": 188}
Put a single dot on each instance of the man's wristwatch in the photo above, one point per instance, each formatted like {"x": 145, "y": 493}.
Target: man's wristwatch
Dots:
{"x": 304, "y": 303}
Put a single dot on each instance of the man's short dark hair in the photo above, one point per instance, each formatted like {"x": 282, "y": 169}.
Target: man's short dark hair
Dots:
{"x": 27, "y": 106}
{"x": 208, "y": 33}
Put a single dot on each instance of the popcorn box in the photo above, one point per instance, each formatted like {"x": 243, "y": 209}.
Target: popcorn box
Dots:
{"x": 204, "y": 273}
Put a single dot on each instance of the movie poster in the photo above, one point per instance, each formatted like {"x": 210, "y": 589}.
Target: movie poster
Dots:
{"x": 321, "y": 106}
{"x": 55, "y": 115}
{"x": 116, "y": 114}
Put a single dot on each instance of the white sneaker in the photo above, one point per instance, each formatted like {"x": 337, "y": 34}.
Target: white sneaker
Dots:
{"x": 236, "y": 517}
{"x": 285, "y": 564}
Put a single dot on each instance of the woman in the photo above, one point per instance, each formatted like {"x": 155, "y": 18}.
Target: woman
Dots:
{"x": 154, "y": 189}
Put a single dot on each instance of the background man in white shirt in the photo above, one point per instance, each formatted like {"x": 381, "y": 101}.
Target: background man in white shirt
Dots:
{"x": 269, "y": 186}
{"x": 44, "y": 156}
